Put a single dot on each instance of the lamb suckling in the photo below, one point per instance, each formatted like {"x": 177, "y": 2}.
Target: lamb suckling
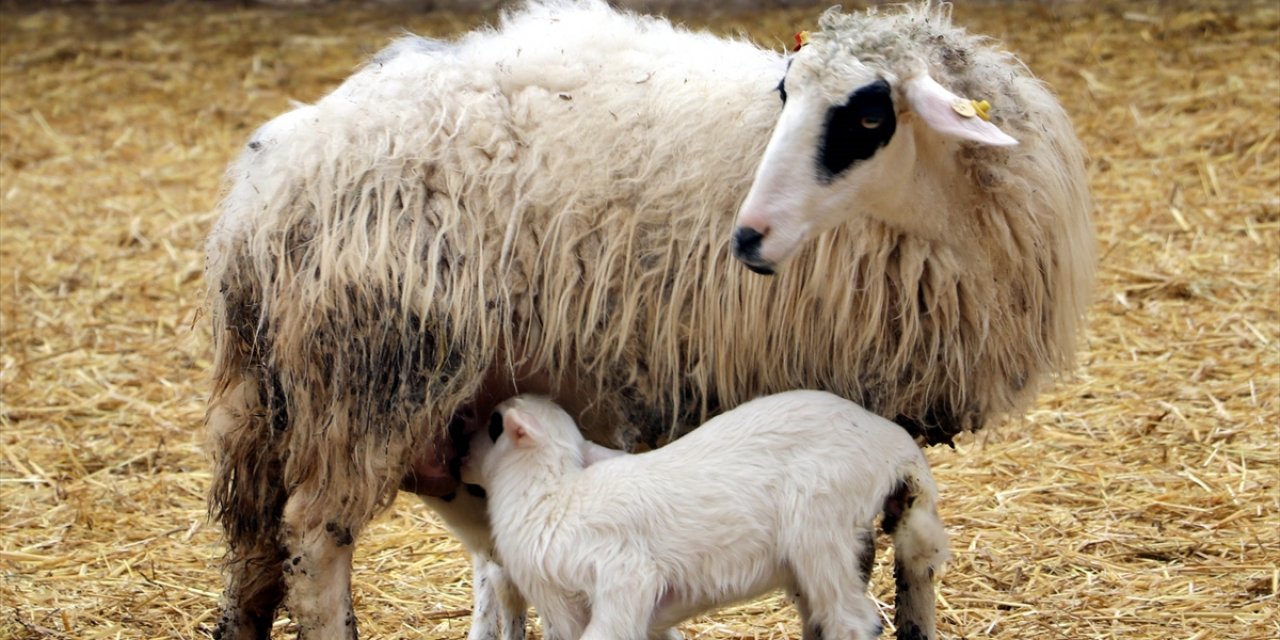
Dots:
{"x": 498, "y": 608}
{"x": 780, "y": 493}
{"x": 548, "y": 206}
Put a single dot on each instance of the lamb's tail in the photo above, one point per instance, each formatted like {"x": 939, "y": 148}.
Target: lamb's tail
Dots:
{"x": 920, "y": 550}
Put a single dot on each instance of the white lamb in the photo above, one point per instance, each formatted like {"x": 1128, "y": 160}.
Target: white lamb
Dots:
{"x": 781, "y": 492}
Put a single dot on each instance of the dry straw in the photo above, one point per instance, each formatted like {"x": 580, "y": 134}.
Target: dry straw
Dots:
{"x": 1138, "y": 500}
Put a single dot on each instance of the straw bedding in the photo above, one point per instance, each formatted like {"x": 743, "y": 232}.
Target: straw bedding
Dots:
{"x": 1139, "y": 499}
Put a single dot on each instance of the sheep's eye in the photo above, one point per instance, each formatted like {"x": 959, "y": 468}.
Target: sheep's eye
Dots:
{"x": 855, "y": 130}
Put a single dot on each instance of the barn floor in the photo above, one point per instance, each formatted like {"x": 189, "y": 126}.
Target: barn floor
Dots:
{"x": 1140, "y": 499}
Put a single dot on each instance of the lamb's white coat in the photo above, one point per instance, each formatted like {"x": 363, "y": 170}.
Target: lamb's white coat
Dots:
{"x": 498, "y": 609}
{"x": 781, "y": 492}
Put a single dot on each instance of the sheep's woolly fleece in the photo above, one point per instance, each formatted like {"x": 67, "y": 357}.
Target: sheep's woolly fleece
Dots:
{"x": 444, "y": 209}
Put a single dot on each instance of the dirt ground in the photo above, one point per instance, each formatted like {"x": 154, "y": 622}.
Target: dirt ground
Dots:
{"x": 1140, "y": 498}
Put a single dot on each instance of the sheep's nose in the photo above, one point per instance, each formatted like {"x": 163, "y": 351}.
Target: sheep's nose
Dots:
{"x": 746, "y": 247}
{"x": 746, "y": 243}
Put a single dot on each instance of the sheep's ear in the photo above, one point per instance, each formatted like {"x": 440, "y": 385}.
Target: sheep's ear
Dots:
{"x": 593, "y": 453}
{"x": 523, "y": 428}
{"x": 949, "y": 114}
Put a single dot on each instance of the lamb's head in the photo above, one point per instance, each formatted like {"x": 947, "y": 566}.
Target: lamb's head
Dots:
{"x": 852, "y": 139}
{"x": 526, "y": 433}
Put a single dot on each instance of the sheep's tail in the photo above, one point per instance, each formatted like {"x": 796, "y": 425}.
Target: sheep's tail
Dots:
{"x": 920, "y": 550}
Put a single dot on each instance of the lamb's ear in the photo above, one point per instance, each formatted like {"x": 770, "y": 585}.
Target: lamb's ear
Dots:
{"x": 593, "y": 453}
{"x": 949, "y": 114}
{"x": 523, "y": 428}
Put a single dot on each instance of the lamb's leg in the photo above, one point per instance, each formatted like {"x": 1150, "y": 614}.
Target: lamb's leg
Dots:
{"x": 318, "y": 571}
{"x": 920, "y": 551}
{"x": 486, "y": 608}
{"x": 561, "y": 619}
{"x": 497, "y": 607}
{"x": 515, "y": 609}
{"x": 498, "y": 603}
{"x": 808, "y": 627}
{"x": 623, "y": 609}
{"x": 833, "y": 587}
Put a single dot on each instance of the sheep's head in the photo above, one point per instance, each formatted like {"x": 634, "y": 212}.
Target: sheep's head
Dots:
{"x": 846, "y": 144}
{"x": 527, "y": 428}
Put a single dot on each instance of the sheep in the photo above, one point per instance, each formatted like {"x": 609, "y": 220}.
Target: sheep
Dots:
{"x": 780, "y": 492}
{"x": 498, "y": 609}
{"x": 552, "y": 206}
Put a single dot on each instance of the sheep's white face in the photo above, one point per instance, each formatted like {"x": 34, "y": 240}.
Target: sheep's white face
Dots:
{"x": 847, "y": 144}
{"x": 833, "y": 153}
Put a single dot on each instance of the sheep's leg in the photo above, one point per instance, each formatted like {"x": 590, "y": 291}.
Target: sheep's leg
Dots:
{"x": 623, "y": 610}
{"x": 561, "y": 619}
{"x": 515, "y": 609}
{"x": 247, "y": 498}
{"x": 498, "y": 604}
{"x": 318, "y": 571}
{"x": 255, "y": 588}
{"x": 497, "y": 607}
{"x": 486, "y": 608}
{"x": 464, "y": 515}
{"x": 665, "y": 634}
{"x": 808, "y": 626}
{"x": 833, "y": 584}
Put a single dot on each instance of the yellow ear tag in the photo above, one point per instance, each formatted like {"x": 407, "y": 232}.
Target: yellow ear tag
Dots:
{"x": 983, "y": 109}
{"x": 964, "y": 107}
{"x": 971, "y": 108}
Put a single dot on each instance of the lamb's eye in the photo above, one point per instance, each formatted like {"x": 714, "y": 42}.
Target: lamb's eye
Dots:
{"x": 871, "y": 122}
{"x": 495, "y": 426}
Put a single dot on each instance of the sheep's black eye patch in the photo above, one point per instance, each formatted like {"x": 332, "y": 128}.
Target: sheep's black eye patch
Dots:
{"x": 855, "y": 130}
{"x": 495, "y": 426}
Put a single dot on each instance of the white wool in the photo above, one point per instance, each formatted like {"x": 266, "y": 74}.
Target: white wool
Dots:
{"x": 504, "y": 189}
{"x": 781, "y": 492}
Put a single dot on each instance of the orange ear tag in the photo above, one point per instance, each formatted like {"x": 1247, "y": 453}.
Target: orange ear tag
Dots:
{"x": 802, "y": 38}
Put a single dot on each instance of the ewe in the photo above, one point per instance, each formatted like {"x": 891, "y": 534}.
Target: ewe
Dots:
{"x": 548, "y": 207}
